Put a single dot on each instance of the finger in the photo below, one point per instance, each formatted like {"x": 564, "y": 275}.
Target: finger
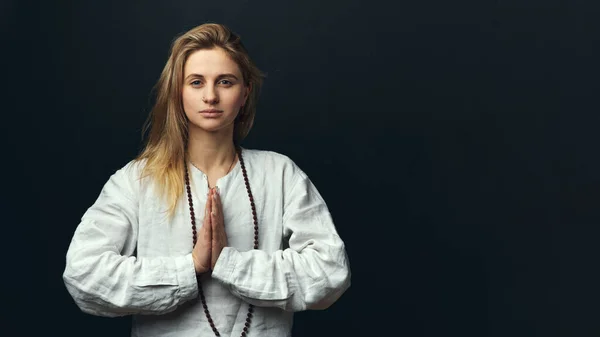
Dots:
{"x": 215, "y": 202}
{"x": 214, "y": 214}
{"x": 207, "y": 216}
{"x": 208, "y": 200}
{"x": 217, "y": 218}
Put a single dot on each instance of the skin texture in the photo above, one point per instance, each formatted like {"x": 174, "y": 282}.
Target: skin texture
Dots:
{"x": 201, "y": 254}
{"x": 211, "y": 237}
{"x": 213, "y": 81}
{"x": 219, "y": 237}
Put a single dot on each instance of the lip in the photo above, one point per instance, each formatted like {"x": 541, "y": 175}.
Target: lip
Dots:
{"x": 211, "y": 113}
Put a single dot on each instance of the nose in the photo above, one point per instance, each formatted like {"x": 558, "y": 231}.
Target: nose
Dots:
{"x": 210, "y": 95}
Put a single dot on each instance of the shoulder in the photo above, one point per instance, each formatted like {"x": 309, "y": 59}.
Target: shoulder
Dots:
{"x": 273, "y": 163}
{"x": 127, "y": 178}
{"x": 131, "y": 170}
{"x": 269, "y": 159}
{"x": 283, "y": 172}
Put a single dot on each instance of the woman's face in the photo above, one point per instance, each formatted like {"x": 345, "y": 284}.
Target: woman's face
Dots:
{"x": 213, "y": 91}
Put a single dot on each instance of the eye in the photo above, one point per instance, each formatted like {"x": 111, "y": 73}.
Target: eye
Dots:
{"x": 226, "y": 82}
{"x": 196, "y": 82}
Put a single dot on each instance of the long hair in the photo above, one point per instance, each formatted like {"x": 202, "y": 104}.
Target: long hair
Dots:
{"x": 165, "y": 152}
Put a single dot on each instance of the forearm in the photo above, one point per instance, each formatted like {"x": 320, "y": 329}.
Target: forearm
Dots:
{"x": 109, "y": 284}
{"x": 287, "y": 279}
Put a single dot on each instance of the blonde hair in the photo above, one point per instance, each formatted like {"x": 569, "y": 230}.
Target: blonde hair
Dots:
{"x": 165, "y": 151}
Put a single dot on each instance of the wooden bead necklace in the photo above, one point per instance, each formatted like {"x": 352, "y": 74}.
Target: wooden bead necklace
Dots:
{"x": 192, "y": 215}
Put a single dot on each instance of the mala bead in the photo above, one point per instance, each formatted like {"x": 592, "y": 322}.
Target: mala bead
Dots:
{"x": 194, "y": 239}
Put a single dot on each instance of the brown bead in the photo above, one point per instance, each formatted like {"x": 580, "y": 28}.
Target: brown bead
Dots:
{"x": 194, "y": 232}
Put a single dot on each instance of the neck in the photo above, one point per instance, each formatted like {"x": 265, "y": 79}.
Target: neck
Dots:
{"x": 211, "y": 150}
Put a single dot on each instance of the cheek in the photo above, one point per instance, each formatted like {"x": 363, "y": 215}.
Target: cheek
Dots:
{"x": 188, "y": 100}
{"x": 241, "y": 100}
{"x": 236, "y": 98}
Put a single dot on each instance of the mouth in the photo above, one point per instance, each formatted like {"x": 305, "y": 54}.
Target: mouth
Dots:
{"x": 211, "y": 113}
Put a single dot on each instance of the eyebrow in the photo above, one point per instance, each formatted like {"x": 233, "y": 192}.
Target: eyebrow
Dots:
{"x": 218, "y": 77}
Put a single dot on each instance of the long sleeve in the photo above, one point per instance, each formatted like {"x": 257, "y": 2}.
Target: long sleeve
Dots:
{"x": 101, "y": 273}
{"x": 311, "y": 272}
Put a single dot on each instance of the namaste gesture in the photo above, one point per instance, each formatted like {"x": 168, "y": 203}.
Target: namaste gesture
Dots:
{"x": 211, "y": 237}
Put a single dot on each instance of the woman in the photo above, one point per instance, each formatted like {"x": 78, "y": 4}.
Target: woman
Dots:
{"x": 197, "y": 235}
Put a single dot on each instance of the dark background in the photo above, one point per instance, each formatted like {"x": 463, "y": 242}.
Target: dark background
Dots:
{"x": 454, "y": 141}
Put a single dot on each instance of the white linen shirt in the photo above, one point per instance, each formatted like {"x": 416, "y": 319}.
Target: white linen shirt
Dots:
{"x": 127, "y": 257}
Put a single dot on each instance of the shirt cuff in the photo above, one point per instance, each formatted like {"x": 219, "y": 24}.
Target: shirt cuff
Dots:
{"x": 186, "y": 277}
{"x": 225, "y": 265}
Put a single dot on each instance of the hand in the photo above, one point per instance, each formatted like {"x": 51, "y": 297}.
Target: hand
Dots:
{"x": 202, "y": 250}
{"x": 219, "y": 237}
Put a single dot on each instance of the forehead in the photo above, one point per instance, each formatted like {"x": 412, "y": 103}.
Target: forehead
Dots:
{"x": 210, "y": 62}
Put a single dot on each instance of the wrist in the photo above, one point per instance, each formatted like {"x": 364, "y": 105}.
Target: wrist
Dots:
{"x": 198, "y": 267}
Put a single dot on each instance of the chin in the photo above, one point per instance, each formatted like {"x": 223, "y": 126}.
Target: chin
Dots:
{"x": 213, "y": 125}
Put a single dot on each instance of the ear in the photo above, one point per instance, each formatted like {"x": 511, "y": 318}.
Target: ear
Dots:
{"x": 247, "y": 93}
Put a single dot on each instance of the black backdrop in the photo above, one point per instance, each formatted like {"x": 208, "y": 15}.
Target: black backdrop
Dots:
{"x": 454, "y": 141}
